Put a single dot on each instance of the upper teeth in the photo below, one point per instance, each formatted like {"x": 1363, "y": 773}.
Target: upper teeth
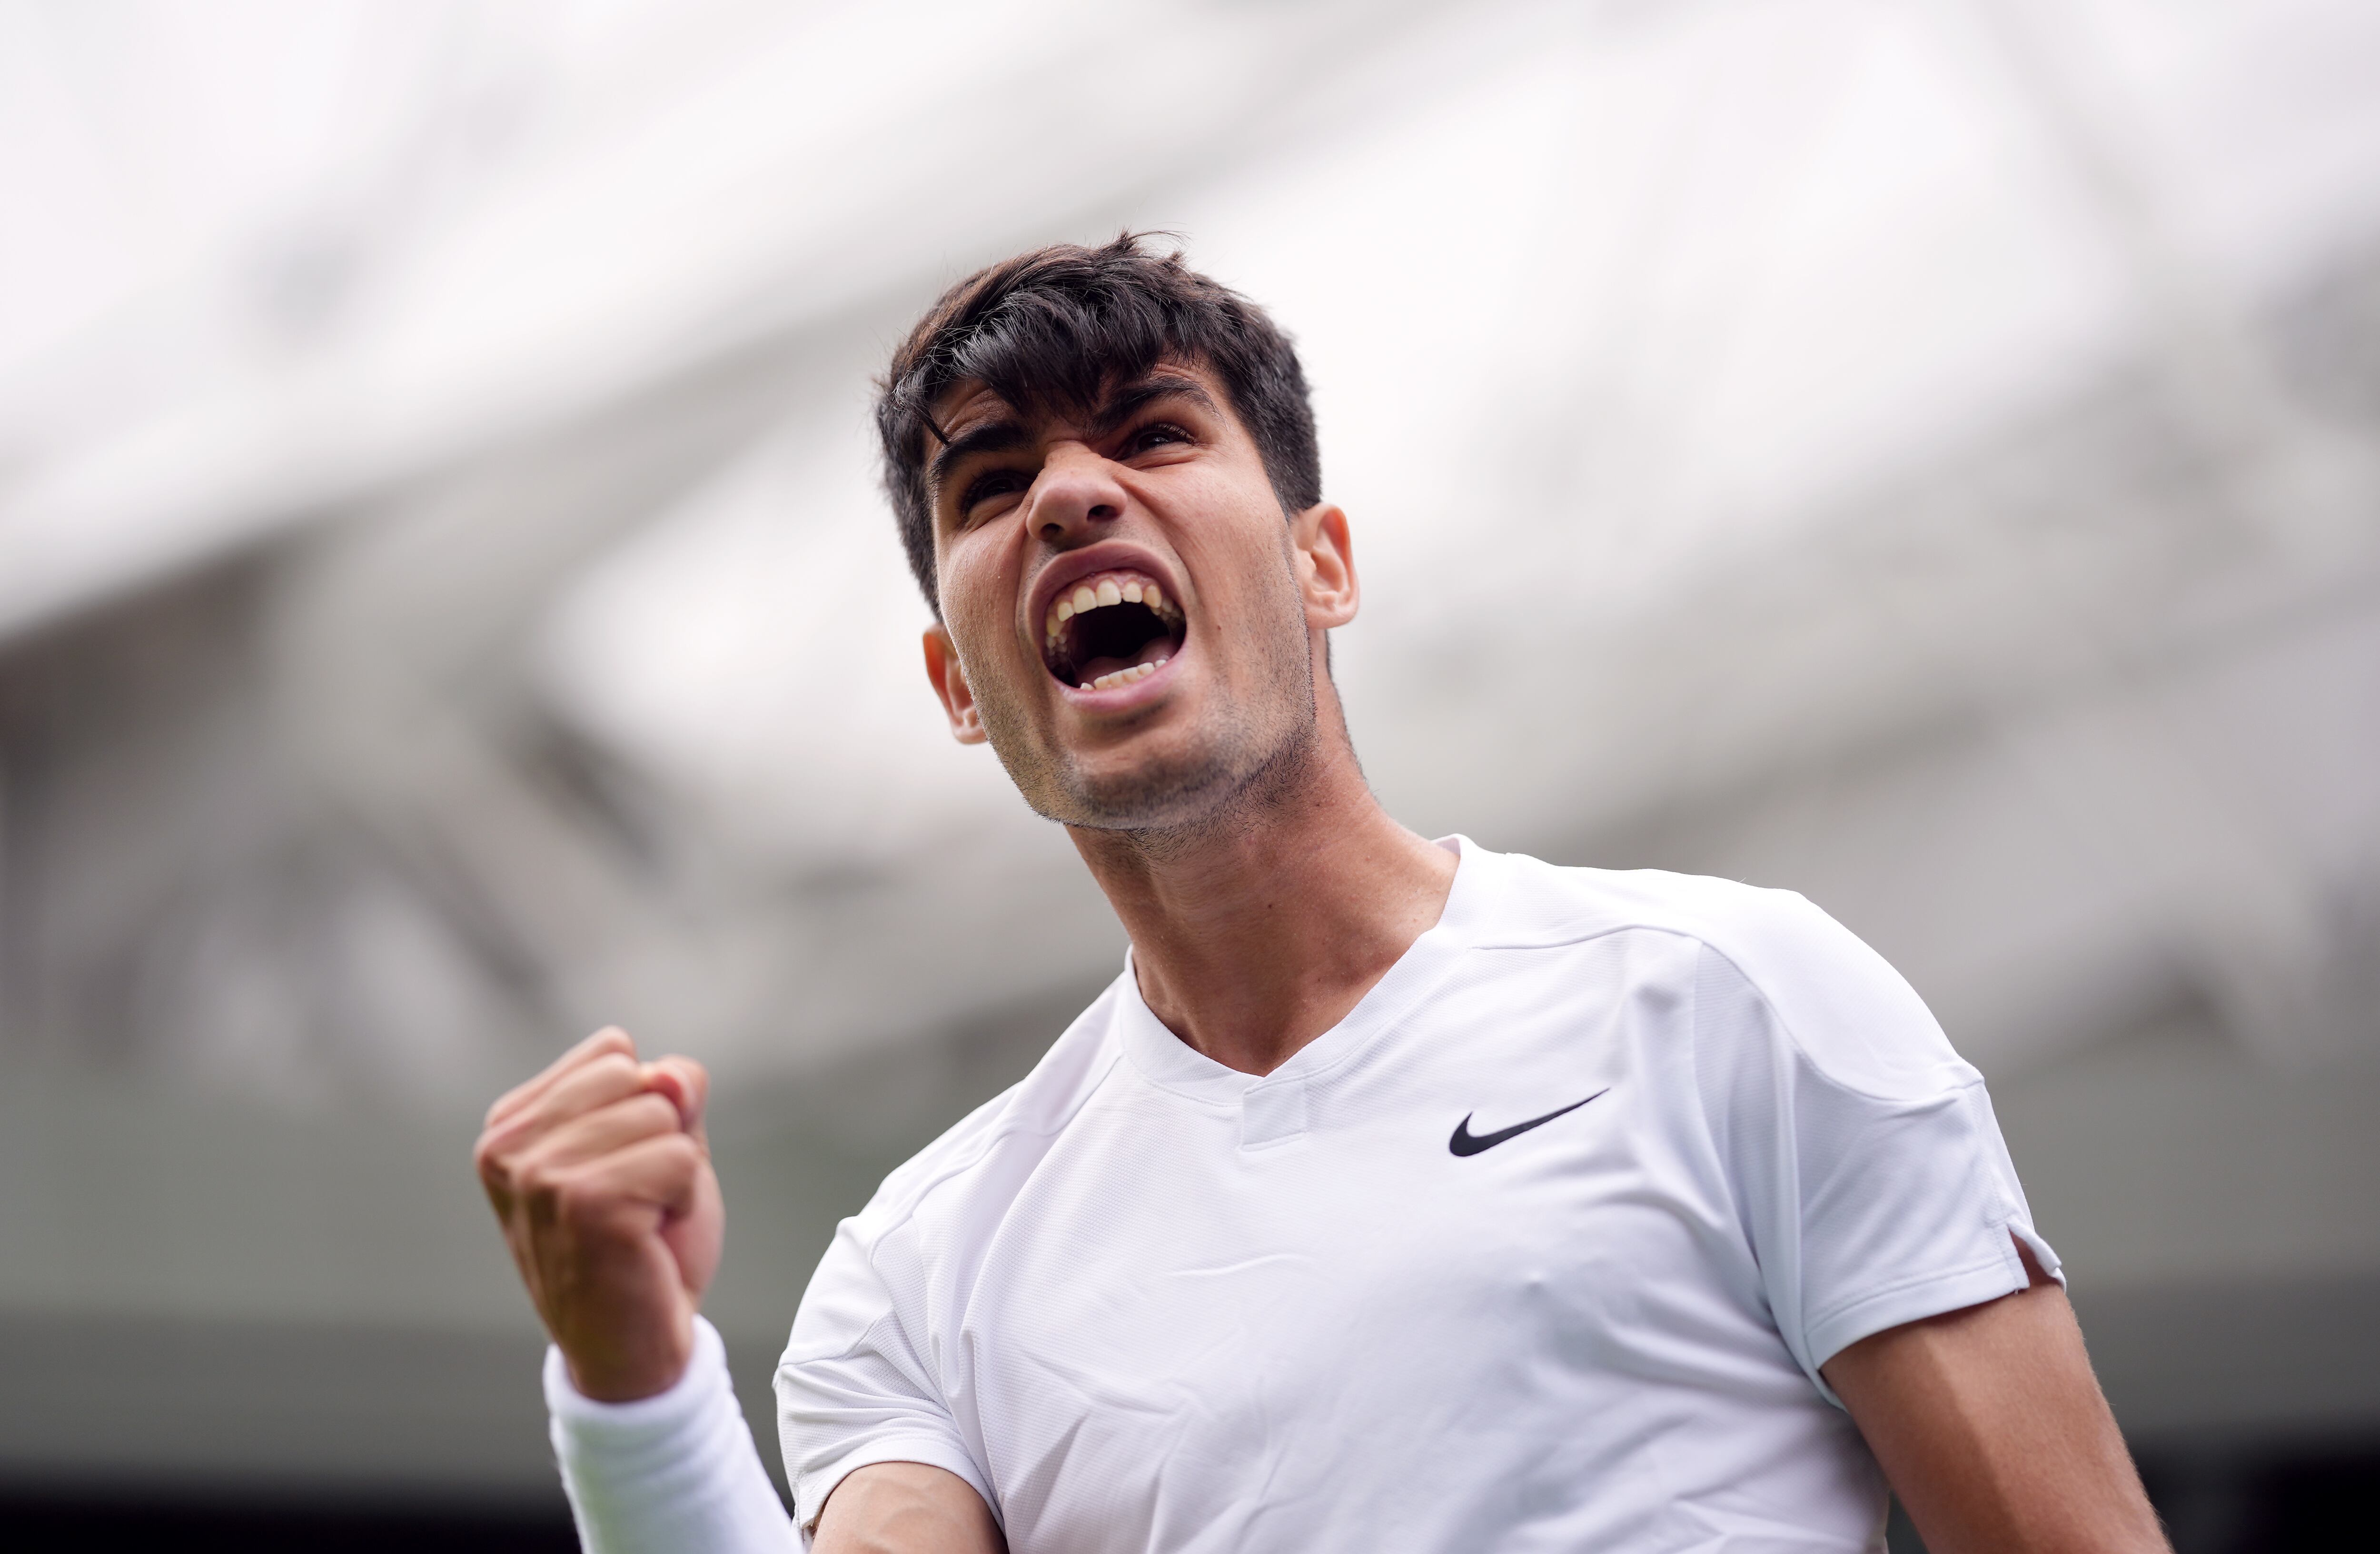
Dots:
{"x": 1114, "y": 588}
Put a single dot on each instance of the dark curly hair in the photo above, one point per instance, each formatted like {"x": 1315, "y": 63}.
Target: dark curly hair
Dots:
{"x": 1056, "y": 328}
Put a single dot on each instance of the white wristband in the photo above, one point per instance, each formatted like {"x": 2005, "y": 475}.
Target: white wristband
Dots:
{"x": 673, "y": 1471}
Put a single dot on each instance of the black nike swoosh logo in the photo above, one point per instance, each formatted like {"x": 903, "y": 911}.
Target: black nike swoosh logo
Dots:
{"x": 1465, "y": 1142}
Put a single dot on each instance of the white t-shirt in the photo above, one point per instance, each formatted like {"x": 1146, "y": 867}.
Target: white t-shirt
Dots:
{"x": 1541, "y": 1248}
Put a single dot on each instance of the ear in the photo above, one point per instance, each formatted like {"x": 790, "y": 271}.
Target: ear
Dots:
{"x": 950, "y": 683}
{"x": 1326, "y": 566}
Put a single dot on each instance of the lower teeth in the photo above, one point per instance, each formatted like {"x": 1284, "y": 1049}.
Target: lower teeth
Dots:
{"x": 1123, "y": 676}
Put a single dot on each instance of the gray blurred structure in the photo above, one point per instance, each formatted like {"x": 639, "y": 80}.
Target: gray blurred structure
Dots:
{"x": 1929, "y": 457}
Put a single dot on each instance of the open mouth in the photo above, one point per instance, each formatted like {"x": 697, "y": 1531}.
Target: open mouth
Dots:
{"x": 1111, "y": 629}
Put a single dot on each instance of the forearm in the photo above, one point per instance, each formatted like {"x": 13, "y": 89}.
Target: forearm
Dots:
{"x": 674, "y": 1473}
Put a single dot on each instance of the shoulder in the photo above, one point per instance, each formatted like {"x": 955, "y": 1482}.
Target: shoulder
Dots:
{"x": 1772, "y": 953}
{"x": 1770, "y": 935}
{"x": 1023, "y": 1118}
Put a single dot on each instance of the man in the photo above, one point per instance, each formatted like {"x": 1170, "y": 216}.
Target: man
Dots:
{"x": 1399, "y": 1194}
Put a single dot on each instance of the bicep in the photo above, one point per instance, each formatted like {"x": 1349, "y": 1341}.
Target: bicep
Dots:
{"x": 906, "y": 1507}
{"x": 1993, "y": 1431}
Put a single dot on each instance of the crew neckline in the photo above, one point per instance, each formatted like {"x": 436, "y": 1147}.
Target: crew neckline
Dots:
{"x": 1171, "y": 1063}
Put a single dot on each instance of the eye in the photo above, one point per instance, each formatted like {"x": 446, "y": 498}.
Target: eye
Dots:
{"x": 990, "y": 486}
{"x": 1155, "y": 435}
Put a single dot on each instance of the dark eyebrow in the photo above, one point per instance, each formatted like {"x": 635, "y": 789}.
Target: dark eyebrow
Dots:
{"x": 1131, "y": 398}
{"x": 992, "y": 437}
{"x": 1006, "y": 436}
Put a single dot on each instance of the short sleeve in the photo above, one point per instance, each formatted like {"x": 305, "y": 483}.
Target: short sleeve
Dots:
{"x": 1859, "y": 1149}
{"x": 853, "y": 1390}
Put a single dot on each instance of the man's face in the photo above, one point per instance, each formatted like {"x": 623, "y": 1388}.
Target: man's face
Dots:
{"x": 1126, "y": 616}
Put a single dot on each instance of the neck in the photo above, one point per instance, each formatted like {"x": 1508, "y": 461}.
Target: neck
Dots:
{"x": 1253, "y": 935}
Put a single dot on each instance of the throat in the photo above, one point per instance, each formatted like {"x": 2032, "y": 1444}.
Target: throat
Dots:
{"x": 1217, "y": 958}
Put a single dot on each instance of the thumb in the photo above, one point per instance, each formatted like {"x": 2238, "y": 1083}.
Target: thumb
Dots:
{"x": 687, "y": 1086}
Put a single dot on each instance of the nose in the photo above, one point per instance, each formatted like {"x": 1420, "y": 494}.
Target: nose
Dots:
{"x": 1076, "y": 497}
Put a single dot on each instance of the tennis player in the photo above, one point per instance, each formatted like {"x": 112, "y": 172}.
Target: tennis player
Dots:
{"x": 1399, "y": 1194}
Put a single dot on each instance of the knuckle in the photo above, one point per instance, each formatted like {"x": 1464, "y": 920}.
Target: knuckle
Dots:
{"x": 675, "y": 1165}
{"x": 615, "y": 1068}
{"x": 497, "y": 1157}
{"x": 688, "y": 1159}
{"x": 654, "y": 1113}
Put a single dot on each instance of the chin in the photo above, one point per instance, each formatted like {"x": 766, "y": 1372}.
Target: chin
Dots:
{"x": 1167, "y": 790}
{"x": 1151, "y": 798}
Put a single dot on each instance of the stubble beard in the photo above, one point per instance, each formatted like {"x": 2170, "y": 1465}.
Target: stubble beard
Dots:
{"x": 1251, "y": 758}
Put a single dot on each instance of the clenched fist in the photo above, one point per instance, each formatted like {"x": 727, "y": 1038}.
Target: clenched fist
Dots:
{"x": 602, "y": 1179}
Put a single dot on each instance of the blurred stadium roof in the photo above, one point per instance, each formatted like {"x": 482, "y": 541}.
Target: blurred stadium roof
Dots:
{"x": 1920, "y": 454}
